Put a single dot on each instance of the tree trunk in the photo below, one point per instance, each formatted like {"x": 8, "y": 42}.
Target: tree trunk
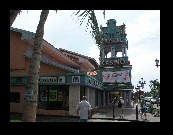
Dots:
{"x": 30, "y": 100}
{"x": 13, "y": 15}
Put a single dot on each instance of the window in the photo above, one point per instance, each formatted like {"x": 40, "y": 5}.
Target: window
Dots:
{"x": 53, "y": 97}
{"x": 15, "y": 97}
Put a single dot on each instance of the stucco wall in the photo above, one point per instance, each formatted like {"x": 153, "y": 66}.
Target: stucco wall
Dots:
{"x": 92, "y": 97}
{"x": 17, "y": 48}
{"x": 17, "y": 107}
{"x": 20, "y": 63}
{"x": 74, "y": 99}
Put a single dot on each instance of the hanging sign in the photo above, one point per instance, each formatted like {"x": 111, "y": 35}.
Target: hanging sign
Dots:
{"x": 118, "y": 76}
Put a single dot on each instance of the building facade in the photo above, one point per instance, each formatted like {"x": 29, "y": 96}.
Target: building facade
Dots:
{"x": 65, "y": 76}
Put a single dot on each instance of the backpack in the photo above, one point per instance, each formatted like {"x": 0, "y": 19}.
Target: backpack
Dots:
{"x": 119, "y": 104}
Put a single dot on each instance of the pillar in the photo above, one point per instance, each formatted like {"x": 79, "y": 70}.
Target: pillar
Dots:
{"x": 125, "y": 51}
{"x": 125, "y": 99}
{"x": 92, "y": 97}
{"x": 129, "y": 98}
{"x": 112, "y": 51}
{"x": 99, "y": 98}
{"x": 104, "y": 101}
{"x": 87, "y": 93}
{"x": 122, "y": 51}
{"x": 74, "y": 99}
{"x": 103, "y": 53}
{"x": 107, "y": 94}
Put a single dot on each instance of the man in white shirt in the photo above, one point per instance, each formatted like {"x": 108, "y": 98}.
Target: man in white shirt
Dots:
{"x": 84, "y": 109}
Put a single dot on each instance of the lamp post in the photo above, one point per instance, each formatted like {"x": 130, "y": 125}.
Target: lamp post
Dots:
{"x": 157, "y": 63}
{"x": 142, "y": 85}
{"x": 137, "y": 88}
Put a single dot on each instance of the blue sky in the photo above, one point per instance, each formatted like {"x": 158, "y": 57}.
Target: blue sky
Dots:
{"x": 63, "y": 30}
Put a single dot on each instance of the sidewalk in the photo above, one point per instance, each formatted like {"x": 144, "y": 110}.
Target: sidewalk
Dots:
{"x": 129, "y": 115}
{"x": 106, "y": 116}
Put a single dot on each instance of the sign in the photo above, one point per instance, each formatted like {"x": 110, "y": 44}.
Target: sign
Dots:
{"x": 53, "y": 95}
{"x": 118, "y": 76}
{"x": 113, "y": 62}
{"x": 75, "y": 79}
{"x": 94, "y": 73}
{"x": 60, "y": 79}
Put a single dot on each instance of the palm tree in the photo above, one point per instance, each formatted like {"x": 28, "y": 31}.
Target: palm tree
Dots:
{"x": 13, "y": 15}
{"x": 155, "y": 87}
{"x": 30, "y": 100}
{"x": 92, "y": 21}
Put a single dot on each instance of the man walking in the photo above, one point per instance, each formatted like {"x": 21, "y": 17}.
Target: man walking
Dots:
{"x": 121, "y": 106}
{"x": 84, "y": 109}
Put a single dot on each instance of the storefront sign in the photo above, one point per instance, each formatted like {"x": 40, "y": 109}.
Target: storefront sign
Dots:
{"x": 113, "y": 62}
{"x": 60, "y": 79}
{"x": 75, "y": 79}
{"x": 118, "y": 76}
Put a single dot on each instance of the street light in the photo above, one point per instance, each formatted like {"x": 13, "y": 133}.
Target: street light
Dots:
{"x": 157, "y": 63}
{"x": 142, "y": 85}
{"x": 137, "y": 88}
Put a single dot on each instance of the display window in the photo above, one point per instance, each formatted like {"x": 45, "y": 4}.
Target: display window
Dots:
{"x": 54, "y": 97}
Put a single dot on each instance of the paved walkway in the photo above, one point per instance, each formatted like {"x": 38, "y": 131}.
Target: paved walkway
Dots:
{"x": 129, "y": 115}
{"x": 103, "y": 116}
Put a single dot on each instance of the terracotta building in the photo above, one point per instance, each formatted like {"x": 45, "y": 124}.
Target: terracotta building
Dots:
{"x": 64, "y": 77}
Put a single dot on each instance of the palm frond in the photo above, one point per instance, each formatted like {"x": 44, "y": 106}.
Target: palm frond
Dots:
{"x": 92, "y": 21}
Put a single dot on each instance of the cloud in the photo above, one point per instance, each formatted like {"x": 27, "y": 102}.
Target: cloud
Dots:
{"x": 144, "y": 28}
{"x": 94, "y": 52}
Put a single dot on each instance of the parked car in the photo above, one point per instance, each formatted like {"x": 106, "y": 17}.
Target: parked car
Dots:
{"x": 153, "y": 101}
{"x": 147, "y": 99}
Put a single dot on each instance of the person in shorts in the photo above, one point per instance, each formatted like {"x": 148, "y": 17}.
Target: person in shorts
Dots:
{"x": 143, "y": 108}
{"x": 121, "y": 108}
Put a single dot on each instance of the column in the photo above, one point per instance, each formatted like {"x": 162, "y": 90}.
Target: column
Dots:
{"x": 129, "y": 98}
{"x": 104, "y": 101}
{"x": 125, "y": 51}
{"x": 107, "y": 94}
{"x": 112, "y": 51}
{"x": 122, "y": 51}
{"x": 124, "y": 96}
{"x": 99, "y": 98}
{"x": 74, "y": 99}
{"x": 103, "y": 53}
{"x": 92, "y": 97}
{"x": 87, "y": 93}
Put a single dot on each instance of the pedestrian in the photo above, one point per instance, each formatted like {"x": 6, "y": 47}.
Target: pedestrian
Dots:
{"x": 143, "y": 108}
{"x": 121, "y": 106}
{"x": 84, "y": 109}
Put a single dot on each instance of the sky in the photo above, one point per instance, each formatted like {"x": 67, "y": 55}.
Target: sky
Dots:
{"x": 63, "y": 30}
